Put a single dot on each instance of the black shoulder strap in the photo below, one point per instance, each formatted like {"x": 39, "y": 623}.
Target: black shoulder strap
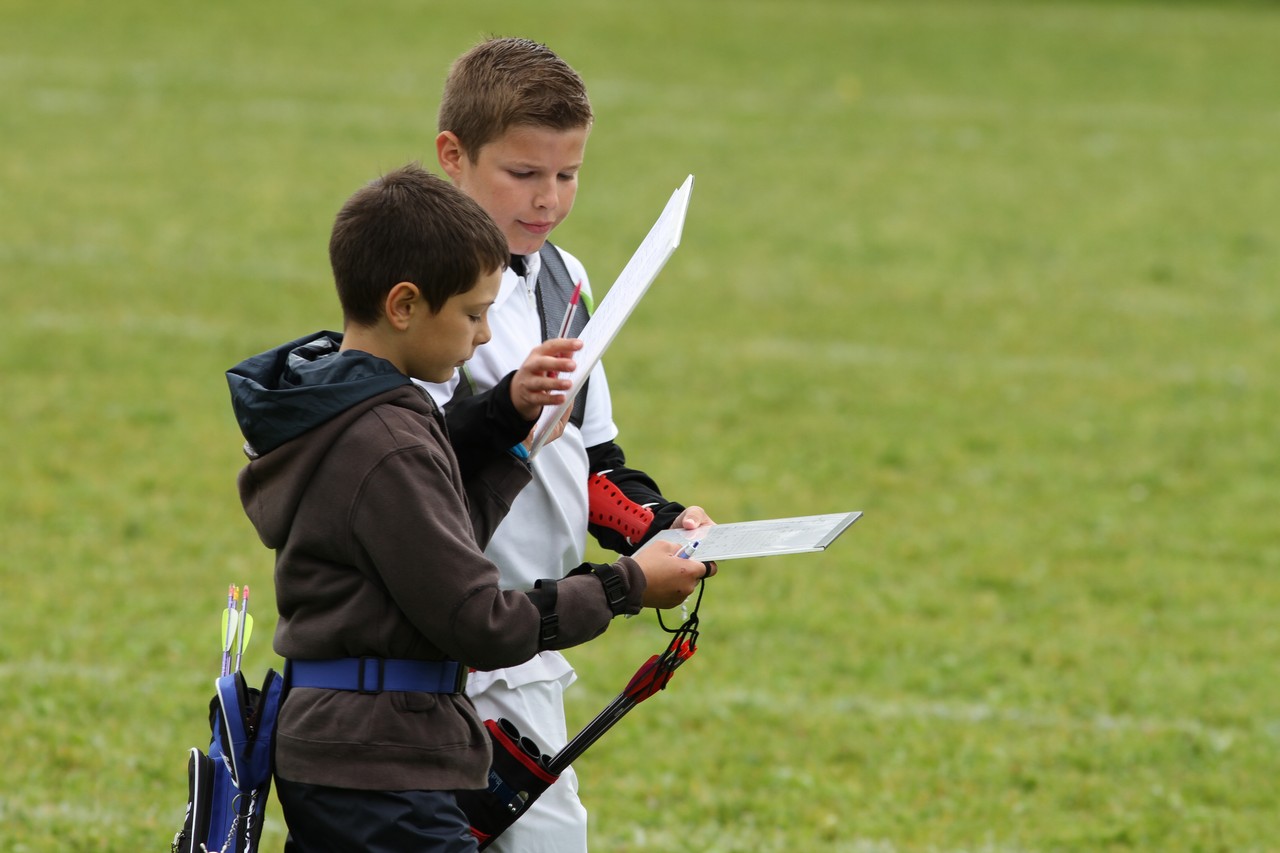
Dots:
{"x": 555, "y": 289}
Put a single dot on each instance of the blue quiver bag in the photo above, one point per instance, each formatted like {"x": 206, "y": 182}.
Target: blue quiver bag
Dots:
{"x": 228, "y": 788}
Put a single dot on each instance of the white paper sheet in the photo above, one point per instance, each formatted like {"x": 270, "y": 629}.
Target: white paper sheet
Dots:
{"x": 799, "y": 535}
{"x": 619, "y": 302}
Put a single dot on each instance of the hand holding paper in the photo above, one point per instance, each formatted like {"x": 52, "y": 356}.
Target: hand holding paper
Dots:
{"x": 692, "y": 518}
{"x": 545, "y": 376}
{"x": 798, "y": 535}
{"x": 670, "y": 578}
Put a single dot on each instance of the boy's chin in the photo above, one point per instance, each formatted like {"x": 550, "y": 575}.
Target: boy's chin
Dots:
{"x": 527, "y": 245}
{"x": 438, "y": 376}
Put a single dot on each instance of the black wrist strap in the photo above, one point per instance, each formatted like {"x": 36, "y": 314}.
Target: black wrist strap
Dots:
{"x": 549, "y": 625}
{"x": 615, "y": 588}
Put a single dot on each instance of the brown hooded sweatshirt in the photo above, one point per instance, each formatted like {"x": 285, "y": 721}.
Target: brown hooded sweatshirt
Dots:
{"x": 378, "y": 540}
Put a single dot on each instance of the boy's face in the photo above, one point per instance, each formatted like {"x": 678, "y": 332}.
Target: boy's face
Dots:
{"x": 525, "y": 179}
{"x": 438, "y": 343}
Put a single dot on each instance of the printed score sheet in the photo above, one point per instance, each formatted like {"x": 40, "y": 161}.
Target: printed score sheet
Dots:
{"x": 619, "y": 302}
{"x": 799, "y": 535}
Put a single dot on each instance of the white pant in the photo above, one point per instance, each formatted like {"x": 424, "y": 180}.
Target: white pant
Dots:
{"x": 532, "y": 696}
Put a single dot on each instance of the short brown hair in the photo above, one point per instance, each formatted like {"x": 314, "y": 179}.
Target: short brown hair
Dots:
{"x": 508, "y": 82}
{"x": 410, "y": 225}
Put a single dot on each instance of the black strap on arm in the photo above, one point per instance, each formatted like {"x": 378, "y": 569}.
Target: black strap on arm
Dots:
{"x": 615, "y": 588}
{"x": 544, "y": 596}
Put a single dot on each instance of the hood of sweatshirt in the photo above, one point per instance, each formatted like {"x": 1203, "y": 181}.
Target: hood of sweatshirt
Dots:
{"x": 284, "y": 392}
{"x": 292, "y": 402}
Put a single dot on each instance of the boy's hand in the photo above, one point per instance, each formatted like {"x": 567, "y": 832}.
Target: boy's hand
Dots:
{"x": 557, "y": 429}
{"x": 691, "y": 519}
{"x": 538, "y": 382}
{"x": 669, "y": 579}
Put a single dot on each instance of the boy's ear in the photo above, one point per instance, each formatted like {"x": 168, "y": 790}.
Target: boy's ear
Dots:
{"x": 402, "y": 300}
{"x": 450, "y": 153}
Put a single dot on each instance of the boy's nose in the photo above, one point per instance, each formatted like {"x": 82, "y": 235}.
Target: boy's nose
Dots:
{"x": 547, "y": 197}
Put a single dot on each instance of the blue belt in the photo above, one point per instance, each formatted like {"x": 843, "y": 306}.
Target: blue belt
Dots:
{"x": 376, "y": 675}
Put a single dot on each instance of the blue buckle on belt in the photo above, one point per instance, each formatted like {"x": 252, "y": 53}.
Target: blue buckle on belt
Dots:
{"x": 362, "y": 667}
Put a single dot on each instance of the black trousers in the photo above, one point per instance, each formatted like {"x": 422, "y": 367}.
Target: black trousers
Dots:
{"x": 337, "y": 820}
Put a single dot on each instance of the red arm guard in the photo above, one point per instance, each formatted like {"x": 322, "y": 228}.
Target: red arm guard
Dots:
{"x": 609, "y": 507}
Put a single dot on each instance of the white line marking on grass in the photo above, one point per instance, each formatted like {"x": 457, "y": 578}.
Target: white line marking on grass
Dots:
{"x": 65, "y": 101}
{"x": 978, "y": 713}
{"x": 43, "y": 669}
{"x": 65, "y": 86}
{"x": 184, "y": 327}
{"x": 1111, "y": 115}
{"x": 749, "y": 835}
{"x": 809, "y": 352}
{"x": 104, "y": 816}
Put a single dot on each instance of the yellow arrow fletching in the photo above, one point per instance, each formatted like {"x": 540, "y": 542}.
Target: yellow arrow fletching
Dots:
{"x": 229, "y": 621}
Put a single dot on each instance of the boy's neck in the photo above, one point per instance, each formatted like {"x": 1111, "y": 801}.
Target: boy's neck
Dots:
{"x": 368, "y": 339}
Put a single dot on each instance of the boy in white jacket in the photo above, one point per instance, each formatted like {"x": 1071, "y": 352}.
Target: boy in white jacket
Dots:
{"x": 512, "y": 133}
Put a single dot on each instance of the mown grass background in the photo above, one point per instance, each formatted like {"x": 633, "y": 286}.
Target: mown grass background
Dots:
{"x": 1002, "y": 275}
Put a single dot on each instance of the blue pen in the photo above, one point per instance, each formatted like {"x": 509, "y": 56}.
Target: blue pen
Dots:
{"x": 687, "y": 551}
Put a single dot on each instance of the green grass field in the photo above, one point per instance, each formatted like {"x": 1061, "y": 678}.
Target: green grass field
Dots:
{"x": 1001, "y": 275}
